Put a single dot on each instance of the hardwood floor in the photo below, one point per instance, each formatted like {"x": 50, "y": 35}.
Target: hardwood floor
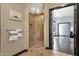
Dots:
{"x": 43, "y": 52}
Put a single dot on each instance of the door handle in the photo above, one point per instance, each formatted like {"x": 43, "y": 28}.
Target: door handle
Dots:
{"x": 72, "y": 35}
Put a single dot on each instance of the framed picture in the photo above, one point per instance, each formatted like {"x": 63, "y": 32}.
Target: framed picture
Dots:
{"x": 15, "y": 15}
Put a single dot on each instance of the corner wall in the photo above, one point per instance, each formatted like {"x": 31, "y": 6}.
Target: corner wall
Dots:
{"x": 26, "y": 24}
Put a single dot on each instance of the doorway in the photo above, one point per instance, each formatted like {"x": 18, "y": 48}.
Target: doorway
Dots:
{"x": 62, "y": 29}
{"x": 36, "y": 30}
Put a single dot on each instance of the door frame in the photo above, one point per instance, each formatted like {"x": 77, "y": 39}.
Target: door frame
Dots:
{"x": 50, "y": 23}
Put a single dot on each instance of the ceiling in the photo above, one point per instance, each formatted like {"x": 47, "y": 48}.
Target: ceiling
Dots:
{"x": 36, "y": 8}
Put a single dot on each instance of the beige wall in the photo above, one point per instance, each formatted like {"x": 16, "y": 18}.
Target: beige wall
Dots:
{"x": 12, "y": 47}
{"x": 0, "y": 29}
{"x": 46, "y": 26}
{"x": 26, "y": 25}
{"x": 52, "y": 5}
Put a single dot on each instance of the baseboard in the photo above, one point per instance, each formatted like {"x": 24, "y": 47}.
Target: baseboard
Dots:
{"x": 76, "y": 53}
{"x": 20, "y": 52}
{"x": 48, "y": 48}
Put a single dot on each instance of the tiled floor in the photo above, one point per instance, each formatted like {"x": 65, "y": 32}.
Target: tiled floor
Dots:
{"x": 43, "y": 52}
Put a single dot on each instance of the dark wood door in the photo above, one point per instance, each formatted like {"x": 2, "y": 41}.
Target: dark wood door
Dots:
{"x": 76, "y": 16}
